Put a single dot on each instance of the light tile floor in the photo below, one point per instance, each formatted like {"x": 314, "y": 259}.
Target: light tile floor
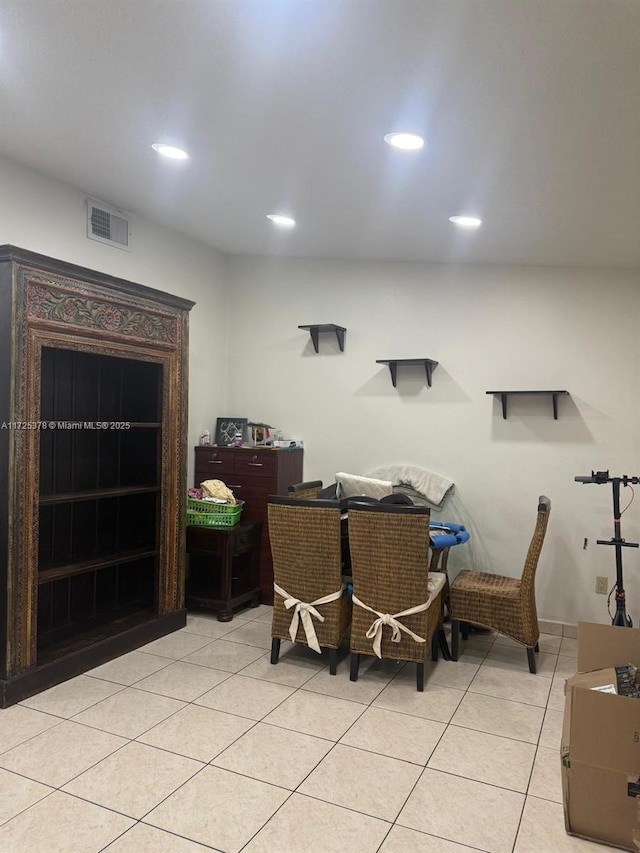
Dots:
{"x": 197, "y": 743}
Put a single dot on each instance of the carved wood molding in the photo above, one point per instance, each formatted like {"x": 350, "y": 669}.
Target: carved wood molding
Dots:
{"x": 57, "y": 305}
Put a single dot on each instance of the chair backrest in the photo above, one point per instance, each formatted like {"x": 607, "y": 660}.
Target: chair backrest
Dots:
{"x": 389, "y": 547}
{"x": 329, "y": 492}
{"x": 310, "y": 489}
{"x": 397, "y": 498}
{"x": 305, "y": 546}
{"x": 527, "y": 581}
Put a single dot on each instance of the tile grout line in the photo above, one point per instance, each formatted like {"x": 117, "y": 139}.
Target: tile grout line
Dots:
{"x": 335, "y": 743}
{"x": 134, "y": 740}
{"x": 168, "y": 831}
{"x": 524, "y": 805}
{"x": 369, "y": 705}
{"x": 67, "y": 719}
{"x": 467, "y": 691}
{"x": 524, "y": 799}
{"x": 365, "y": 706}
{"x": 421, "y": 775}
{"x": 295, "y": 790}
{"x": 196, "y": 773}
{"x": 26, "y": 808}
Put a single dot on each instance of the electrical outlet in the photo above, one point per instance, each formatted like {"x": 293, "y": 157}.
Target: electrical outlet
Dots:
{"x": 602, "y": 585}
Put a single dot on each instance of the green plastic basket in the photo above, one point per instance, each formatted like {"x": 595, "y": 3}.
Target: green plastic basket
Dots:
{"x": 209, "y": 514}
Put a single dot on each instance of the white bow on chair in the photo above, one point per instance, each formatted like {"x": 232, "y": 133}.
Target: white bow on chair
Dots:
{"x": 375, "y": 630}
{"x": 305, "y": 611}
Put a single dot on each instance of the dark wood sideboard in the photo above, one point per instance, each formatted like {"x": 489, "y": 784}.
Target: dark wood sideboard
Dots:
{"x": 252, "y": 473}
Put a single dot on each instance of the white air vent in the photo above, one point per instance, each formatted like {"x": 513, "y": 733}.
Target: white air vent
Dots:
{"x": 108, "y": 225}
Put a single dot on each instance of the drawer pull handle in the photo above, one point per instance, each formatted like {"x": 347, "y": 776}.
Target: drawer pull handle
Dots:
{"x": 215, "y": 462}
{"x": 255, "y": 464}
{"x": 235, "y": 487}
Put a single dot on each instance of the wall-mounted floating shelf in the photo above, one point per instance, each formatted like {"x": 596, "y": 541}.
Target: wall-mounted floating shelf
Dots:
{"x": 314, "y": 330}
{"x": 429, "y": 366}
{"x": 504, "y": 394}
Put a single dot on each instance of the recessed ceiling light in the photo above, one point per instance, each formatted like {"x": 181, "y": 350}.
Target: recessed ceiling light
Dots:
{"x": 466, "y": 221}
{"x": 170, "y": 151}
{"x": 282, "y": 221}
{"x": 404, "y": 141}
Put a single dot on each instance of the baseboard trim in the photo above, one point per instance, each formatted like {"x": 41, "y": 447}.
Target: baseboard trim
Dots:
{"x": 558, "y": 629}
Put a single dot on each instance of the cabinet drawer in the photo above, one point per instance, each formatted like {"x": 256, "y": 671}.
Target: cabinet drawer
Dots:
{"x": 202, "y": 540}
{"x": 202, "y": 474}
{"x": 254, "y": 489}
{"x": 247, "y": 537}
{"x": 261, "y": 463}
{"x": 254, "y": 493}
{"x": 215, "y": 461}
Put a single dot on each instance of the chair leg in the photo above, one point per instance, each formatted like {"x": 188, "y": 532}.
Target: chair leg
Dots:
{"x": 531, "y": 655}
{"x": 464, "y": 630}
{"x": 355, "y": 665}
{"x": 444, "y": 646}
{"x": 455, "y": 638}
{"x": 275, "y": 649}
{"x": 434, "y": 648}
{"x": 536, "y": 648}
{"x": 333, "y": 661}
{"x": 420, "y": 677}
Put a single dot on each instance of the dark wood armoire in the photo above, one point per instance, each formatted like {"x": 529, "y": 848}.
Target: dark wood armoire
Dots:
{"x": 93, "y": 460}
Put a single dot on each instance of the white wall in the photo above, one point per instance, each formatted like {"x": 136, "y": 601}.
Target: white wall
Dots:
{"x": 44, "y": 215}
{"x": 491, "y": 328}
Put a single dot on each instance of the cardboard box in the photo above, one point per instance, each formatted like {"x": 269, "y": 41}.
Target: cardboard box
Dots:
{"x": 600, "y": 749}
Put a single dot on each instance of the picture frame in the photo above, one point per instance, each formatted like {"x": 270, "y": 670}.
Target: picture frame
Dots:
{"x": 226, "y": 429}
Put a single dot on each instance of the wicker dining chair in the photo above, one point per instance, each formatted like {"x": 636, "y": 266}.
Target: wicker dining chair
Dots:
{"x": 313, "y": 489}
{"x": 504, "y": 604}
{"x": 307, "y": 569}
{"x": 310, "y": 489}
{"x": 389, "y": 546}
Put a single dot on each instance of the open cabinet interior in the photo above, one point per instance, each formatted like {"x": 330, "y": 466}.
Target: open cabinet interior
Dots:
{"x": 99, "y": 492}
{"x": 93, "y": 371}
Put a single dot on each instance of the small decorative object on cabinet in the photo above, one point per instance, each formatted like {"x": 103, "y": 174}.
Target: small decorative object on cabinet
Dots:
{"x": 252, "y": 474}
{"x": 93, "y": 399}
{"x": 504, "y": 394}
{"x": 259, "y": 434}
{"x": 429, "y": 366}
{"x": 314, "y": 331}
{"x": 228, "y": 428}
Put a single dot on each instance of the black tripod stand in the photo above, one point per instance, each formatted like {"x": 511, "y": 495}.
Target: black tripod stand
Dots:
{"x": 618, "y": 542}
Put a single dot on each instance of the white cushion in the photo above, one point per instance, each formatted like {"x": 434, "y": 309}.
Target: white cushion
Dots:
{"x": 352, "y": 485}
{"x": 435, "y": 584}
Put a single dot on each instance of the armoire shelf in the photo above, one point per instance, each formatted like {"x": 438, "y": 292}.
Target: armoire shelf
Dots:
{"x": 505, "y": 394}
{"x": 429, "y": 366}
{"x": 314, "y": 331}
{"x": 92, "y": 504}
{"x": 90, "y": 494}
{"x": 81, "y": 566}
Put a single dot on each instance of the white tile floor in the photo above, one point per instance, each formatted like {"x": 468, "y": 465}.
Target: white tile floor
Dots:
{"x": 197, "y": 743}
